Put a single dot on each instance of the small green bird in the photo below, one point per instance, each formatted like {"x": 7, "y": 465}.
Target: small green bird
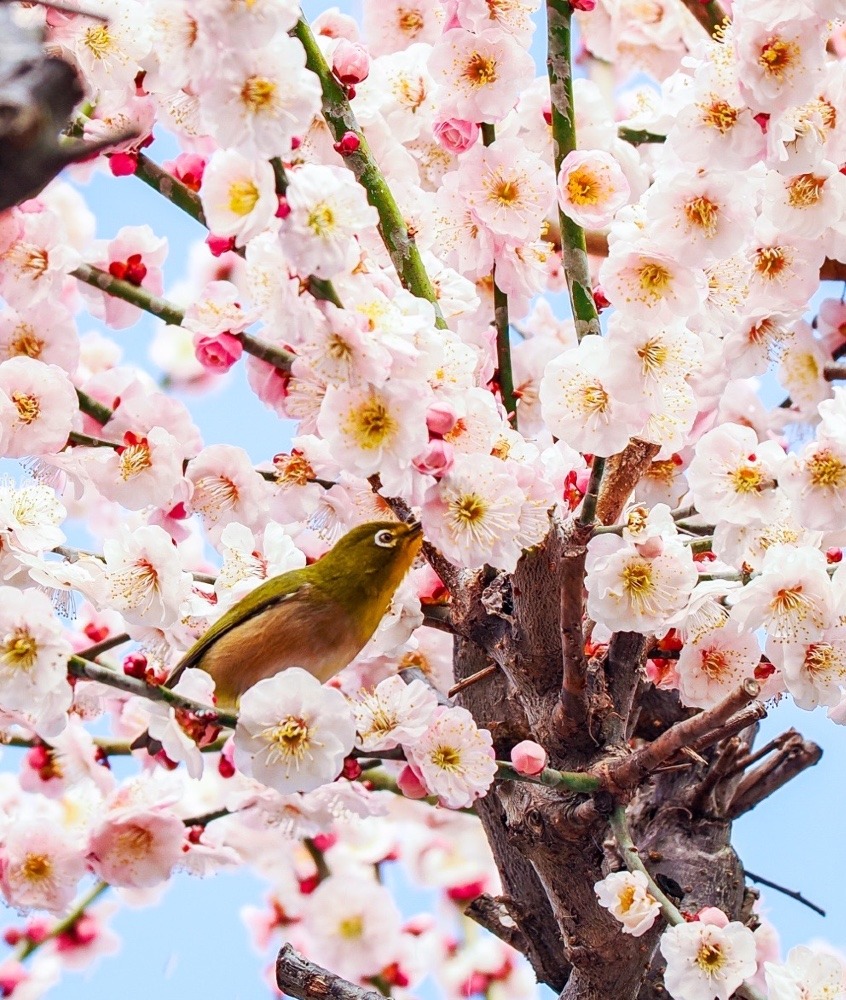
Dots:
{"x": 318, "y": 617}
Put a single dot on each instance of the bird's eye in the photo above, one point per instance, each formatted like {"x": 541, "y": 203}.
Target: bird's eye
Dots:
{"x": 385, "y": 539}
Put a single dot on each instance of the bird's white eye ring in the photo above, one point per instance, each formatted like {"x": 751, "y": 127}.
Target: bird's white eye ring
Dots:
{"x": 385, "y": 539}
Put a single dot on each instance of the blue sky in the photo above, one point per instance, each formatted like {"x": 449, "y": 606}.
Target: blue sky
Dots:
{"x": 193, "y": 942}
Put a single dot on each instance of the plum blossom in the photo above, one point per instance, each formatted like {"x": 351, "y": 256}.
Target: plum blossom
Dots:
{"x": 238, "y": 195}
{"x": 454, "y": 758}
{"x": 814, "y": 672}
{"x": 393, "y": 713}
{"x": 713, "y": 664}
{"x": 144, "y": 470}
{"x": 293, "y": 733}
{"x": 807, "y": 974}
{"x": 136, "y": 847}
{"x": 40, "y": 865}
{"x": 706, "y": 961}
{"x": 591, "y": 187}
{"x": 626, "y": 896}
{"x": 651, "y": 284}
{"x": 180, "y": 733}
{"x": 39, "y": 405}
{"x": 44, "y": 331}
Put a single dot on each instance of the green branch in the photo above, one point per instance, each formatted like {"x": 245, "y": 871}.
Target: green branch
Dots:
{"x": 588, "y": 511}
{"x": 170, "y": 187}
{"x": 341, "y": 120}
{"x": 573, "y": 247}
{"x": 89, "y": 406}
{"x": 639, "y": 136}
{"x": 505, "y": 373}
{"x": 172, "y": 314}
{"x": 574, "y": 781}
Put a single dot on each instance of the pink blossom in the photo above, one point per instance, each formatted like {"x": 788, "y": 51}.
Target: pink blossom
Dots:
{"x": 591, "y": 187}
{"x": 136, "y": 848}
{"x": 38, "y": 404}
{"x": 350, "y": 62}
{"x": 437, "y": 459}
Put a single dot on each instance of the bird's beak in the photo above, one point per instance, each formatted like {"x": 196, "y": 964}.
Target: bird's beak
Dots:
{"x": 414, "y": 527}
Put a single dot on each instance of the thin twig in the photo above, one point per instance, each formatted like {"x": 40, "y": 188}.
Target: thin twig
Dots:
{"x": 480, "y": 675}
{"x": 303, "y": 979}
{"x": 792, "y": 893}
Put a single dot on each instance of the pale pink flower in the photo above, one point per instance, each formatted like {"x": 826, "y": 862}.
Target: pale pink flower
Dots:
{"x": 778, "y": 64}
{"x": 30, "y": 517}
{"x": 632, "y": 592}
{"x": 36, "y": 260}
{"x": 226, "y": 488}
{"x": 249, "y": 558}
{"x": 396, "y": 25}
{"x": 792, "y": 598}
{"x": 144, "y": 471}
{"x": 701, "y": 218}
{"x": 653, "y": 357}
{"x": 354, "y": 924}
{"x": 482, "y": 74}
{"x": 514, "y": 18}
{"x": 39, "y": 405}
{"x": 649, "y": 284}
{"x": 144, "y": 577}
{"x": 806, "y": 974}
{"x": 713, "y": 664}
{"x": 802, "y": 372}
{"x": 529, "y": 757}
{"x": 45, "y": 331}
{"x": 473, "y": 514}
{"x": 343, "y": 348}
{"x": 580, "y": 399}
{"x": 805, "y": 205}
{"x": 707, "y": 962}
{"x": 814, "y": 672}
{"x": 238, "y": 195}
{"x": 716, "y": 126}
{"x": 815, "y": 482}
{"x": 350, "y": 62}
{"x": 217, "y": 309}
{"x": 785, "y": 272}
{"x": 509, "y": 188}
{"x": 454, "y": 758}
{"x": 591, "y": 187}
{"x": 40, "y": 866}
{"x": 257, "y": 100}
{"x": 626, "y": 896}
{"x": 371, "y": 429}
{"x": 253, "y": 23}
{"x": 463, "y": 242}
{"x": 135, "y": 255}
{"x": 293, "y": 733}
{"x": 393, "y": 713}
{"x": 733, "y": 476}
{"x": 33, "y": 660}
{"x": 327, "y": 209}
{"x": 136, "y": 847}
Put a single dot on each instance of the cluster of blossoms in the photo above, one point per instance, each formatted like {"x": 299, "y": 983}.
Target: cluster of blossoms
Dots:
{"x": 728, "y": 554}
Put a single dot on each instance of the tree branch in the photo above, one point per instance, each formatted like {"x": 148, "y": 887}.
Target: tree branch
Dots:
{"x": 298, "y": 977}
{"x": 789, "y": 760}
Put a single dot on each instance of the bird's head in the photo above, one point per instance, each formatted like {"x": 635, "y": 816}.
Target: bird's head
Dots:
{"x": 376, "y": 554}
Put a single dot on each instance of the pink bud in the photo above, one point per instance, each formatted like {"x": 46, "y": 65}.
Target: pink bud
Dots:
{"x": 529, "y": 758}
{"x": 410, "y": 784}
{"x": 348, "y": 144}
{"x": 188, "y": 168}
{"x": 466, "y": 891}
{"x": 437, "y": 459}
{"x": 441, "y": 418}
{"x": 284, "y": 209}
{"x": 350, "y": 62}
{"x": 123, "y": 164}
{"x": 219, "y": 245}
{"x": 586, "y": 5}
{"x": 712, "y": 915}
{"x": 582, "y": 480}
{"x": 600, "y": 299}
{"x": 652, "y": 548}
{"x": 456, "y": 135}
{"x": 333, "y": 24}
{"x": 218, "y": 354}
{"x": 135, "y": 665}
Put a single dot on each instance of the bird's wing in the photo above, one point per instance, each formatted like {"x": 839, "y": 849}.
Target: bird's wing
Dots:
{"x": 269, "y": 593}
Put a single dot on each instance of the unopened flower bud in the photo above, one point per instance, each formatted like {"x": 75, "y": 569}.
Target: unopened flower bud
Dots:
{"x": 456, "y": 135}
{"x": 219, "y": 245}
{"x": 585, "y": 5}
{"x": 348, "y": 145}
{"x": 437, "y": 459}
{"x": 712, "y": 915}
{"x": 529, "y": 758}
{"x": 218, "y": 354}
{"x": 123, "y": 164}
{"x": 350, "y": 62}
{"x": 410, "y": 784}
{"x": 135, "y": 665}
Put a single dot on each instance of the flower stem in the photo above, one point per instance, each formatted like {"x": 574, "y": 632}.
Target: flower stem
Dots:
{"x": 340, "y": 118}
{"x": 97, "y": 411}
{"x": 574, "y": 781}
{"x": 588, "y": 511}
{"x": 639, "y": 136}
{"x": 66, "y": 923}
{"x": 505, "y": 374}
{"x": 170, "y": 187}
{"x": 573, "y": 247}
{"x": 172, "y": 314}
{"x": 85, "y": 669}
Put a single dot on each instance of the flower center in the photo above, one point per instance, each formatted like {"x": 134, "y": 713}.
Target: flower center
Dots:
{"x": 373, "y": 424}
{"x": 258, "y": 93}
{"x": 25, "y": 343}
{"x": 820, "y": 658}
{"x": 480, "y": 70}
{"x": 468, "y": 509}
{"x": 720, "y": 115}
{"x": 583, "y": 188}
{"x": 243, "y": 196}
{"x": 805, "y": 191}
{"x": 37, "y": 868}
{"x": 710, "y": 957}
{"x": 134, "y": 459}
{"x": 746, "y": 479}
{"x": 291, "y": 738}
{"x": 637, "y": 580}
{"x": 447, "y": 758}
{"x": 293, "y": 469}
{"x": 351, "y": 928}
{"x": 713, "y": 663}
{"x": 653, "y": 354}
{"x": 410, "y": 21}
{"x": 594, "y": 398}
{"x": 827, "y": 470}
{"x": 702, "y": 212}
{"x": 98, "y": 41}
{"x": 777, "y": 56}
{"x": 28, "y": 406}
{"x": 133, "y": 842}
{"x": 654, "y": 279}
{"x": 321, "y": 219}
{"x": 770, "y": 261}
{"x": 19, "y": 649}
{"x": 627, "y": 898}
